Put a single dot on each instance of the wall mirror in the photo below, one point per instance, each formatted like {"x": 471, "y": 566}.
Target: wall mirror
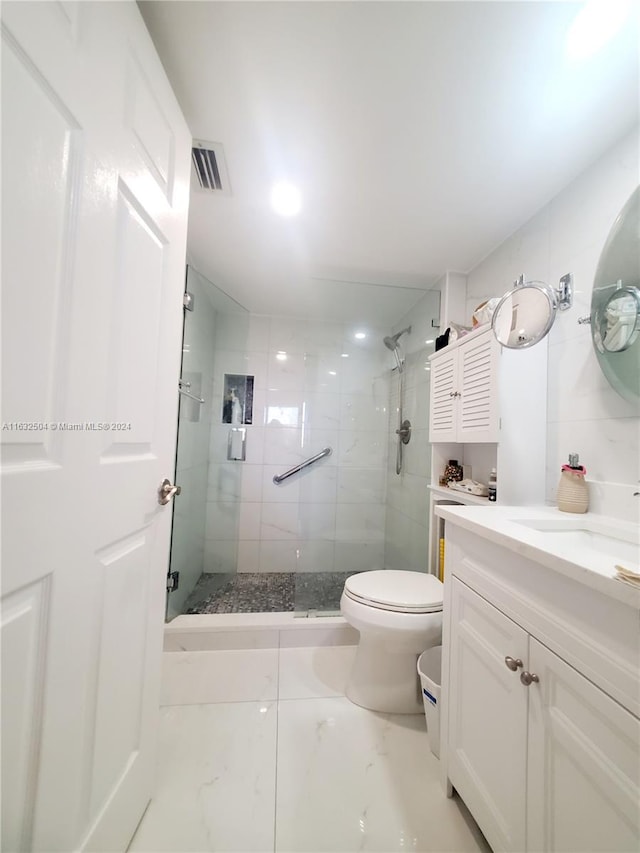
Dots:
{"x": 525, "y": 314}
{"x": 615, "y": 303}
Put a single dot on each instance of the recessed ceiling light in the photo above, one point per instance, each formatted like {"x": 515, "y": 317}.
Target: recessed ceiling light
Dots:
{"x": 281, "y": 356}
{"x": 360, "y": 336}
{"x": 286, "y": 199}
{"x": 333, "y": 373}
{"x": 596, "y": 23}
{"x": 345, "y": 355}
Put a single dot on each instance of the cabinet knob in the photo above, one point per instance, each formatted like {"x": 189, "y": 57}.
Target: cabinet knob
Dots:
{"x": 527, "y": 677}
{"x": 513, "y": 663}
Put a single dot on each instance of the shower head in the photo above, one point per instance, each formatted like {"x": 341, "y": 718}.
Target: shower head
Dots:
{"x": 391, "y": 342}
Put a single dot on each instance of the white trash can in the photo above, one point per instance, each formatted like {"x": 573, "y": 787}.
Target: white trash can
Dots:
{"x": 430, "y": 672}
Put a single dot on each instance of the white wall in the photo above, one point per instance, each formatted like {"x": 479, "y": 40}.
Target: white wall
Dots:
{"x": 585, "y": 414}
{"x": 332, "y": 515}
{"x": 407, "y": 517}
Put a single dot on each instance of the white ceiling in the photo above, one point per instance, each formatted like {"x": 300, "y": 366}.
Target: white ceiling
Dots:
{"x": 421, "y": 134}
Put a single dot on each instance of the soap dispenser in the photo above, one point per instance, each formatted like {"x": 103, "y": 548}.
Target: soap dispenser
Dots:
{"x": 573, "y": 492}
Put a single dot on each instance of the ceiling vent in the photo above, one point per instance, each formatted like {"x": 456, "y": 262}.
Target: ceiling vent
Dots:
{"x": 210, "y": 166}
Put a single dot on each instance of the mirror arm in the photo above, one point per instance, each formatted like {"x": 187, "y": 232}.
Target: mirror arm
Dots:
{"x": 565, "y": 292}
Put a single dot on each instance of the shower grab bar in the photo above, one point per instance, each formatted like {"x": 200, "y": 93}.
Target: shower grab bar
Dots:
{"x": 188, "y": 393}
{"x": 280, "y": 478}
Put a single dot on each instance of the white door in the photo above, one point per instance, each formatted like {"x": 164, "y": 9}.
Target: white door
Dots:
{"x": 584, "y": 763}
{"x": 95, "y": 160}
{"x": 442, "y": 409}
{"x": 487, "y": 738}
{"x": 478, "y": 390}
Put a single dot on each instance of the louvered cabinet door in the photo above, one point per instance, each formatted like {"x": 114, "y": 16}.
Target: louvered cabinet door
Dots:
{"x": 477, "y": 405}
{"x": 442, "y": 414}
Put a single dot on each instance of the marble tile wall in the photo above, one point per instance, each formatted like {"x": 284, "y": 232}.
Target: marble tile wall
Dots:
{"x": 188, "y": 542}
{"x": 585, "y": 414}
{"x": 316, "y": 385}
{"x": 407, "y": 516}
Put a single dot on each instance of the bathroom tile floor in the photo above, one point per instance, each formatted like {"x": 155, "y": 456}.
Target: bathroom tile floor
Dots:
{"x": 260, "y": 751}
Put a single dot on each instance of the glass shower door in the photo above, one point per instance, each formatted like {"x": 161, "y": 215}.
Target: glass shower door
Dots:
{"x": 206, "y": 513}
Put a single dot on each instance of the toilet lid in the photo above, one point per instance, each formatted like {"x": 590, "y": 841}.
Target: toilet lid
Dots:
{"x": 387, "y": 589}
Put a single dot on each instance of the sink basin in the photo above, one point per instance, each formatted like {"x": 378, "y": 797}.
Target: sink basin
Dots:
{"x": 620, "y": 544}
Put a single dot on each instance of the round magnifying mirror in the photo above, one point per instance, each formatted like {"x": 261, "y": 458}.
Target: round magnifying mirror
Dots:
{"x": 615, "y": 303}
{"x": 617, "y": 322}
{"x": 524, "y": 315}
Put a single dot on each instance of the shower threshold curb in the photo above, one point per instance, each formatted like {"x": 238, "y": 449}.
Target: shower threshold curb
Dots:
{"x": 225, "y": 631}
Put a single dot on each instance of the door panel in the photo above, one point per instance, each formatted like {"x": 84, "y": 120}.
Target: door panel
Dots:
{"x": 584, "y": 763}
{"x": 478, "y": 403}
{"x": 95, "y": 223}
{"x": 442, "y": 412}
{"x": 488, "y": 718}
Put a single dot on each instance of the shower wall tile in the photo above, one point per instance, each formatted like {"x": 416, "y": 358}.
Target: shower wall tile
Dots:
{"x": 285, "y": 492}
{"x": 330, "y": 390}
{"x": 230, "y": 361}
{"x": 363, "y": 448}
{"x": 279, "y": 521}
{"x": 319, "y": 484}
{"x": 361, "y": 485}
{"x": 249, "y": 555}
{"x": 278, "y": 556}
{"x": 359, "y": 556}
{"x": 220, "y": 555}
{"x": 322, "y": 409}
{"x": 315, "y": 556}
{"x": 288, "y": 373}
{"x": 317, "y": 521}
{"x": 364, "y": 412}
{"x": 251, "y": 481}
{"x": 249, "y": 520}
{"x": 360, "y": 523}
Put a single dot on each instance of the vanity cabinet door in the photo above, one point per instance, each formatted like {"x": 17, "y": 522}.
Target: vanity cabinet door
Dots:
{"x": 487, "y": 739}
{"x": 443, "y": 409}
{"x": 584, "y": 763}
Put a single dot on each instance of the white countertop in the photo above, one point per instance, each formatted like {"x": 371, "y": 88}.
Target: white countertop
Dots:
{"x": 593, "y": 566}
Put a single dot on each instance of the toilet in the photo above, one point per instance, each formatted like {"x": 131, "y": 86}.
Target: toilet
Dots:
{"x": 398, "y": 615}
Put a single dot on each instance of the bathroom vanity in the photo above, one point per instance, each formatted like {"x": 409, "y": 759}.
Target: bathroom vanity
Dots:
{"x": 541, "y": 694}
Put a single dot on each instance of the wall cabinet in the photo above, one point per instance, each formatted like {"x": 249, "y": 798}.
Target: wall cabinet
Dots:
{"x": 544, "y": 759}
{"x": 464, "y": 391}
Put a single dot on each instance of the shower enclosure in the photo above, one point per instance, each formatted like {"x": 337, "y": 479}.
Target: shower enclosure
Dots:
{"x": 260, "y": 396}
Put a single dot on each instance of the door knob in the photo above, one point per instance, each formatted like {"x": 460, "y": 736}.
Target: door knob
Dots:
{"x": 527, "y": 677}
{"x": 513, "y": 664}
{"x": 166, "y": 491}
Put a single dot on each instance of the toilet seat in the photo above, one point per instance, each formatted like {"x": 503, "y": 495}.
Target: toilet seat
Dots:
{"x": 396, "y": 591}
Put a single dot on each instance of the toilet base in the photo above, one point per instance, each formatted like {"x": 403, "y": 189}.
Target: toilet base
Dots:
{"x": 384, "y": 681}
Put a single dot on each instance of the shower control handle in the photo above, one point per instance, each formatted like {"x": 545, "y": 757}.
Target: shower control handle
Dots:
{"x": 404, "y": 432}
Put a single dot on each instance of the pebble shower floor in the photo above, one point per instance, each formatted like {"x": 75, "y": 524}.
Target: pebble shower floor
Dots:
{"x": 269, "y": 592}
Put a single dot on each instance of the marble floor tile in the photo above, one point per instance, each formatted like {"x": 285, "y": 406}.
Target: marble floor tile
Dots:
{"x": 314, "y": 672}
{"x": 351, "y": 780}
{"x": 238, "y": 675}
{"x": 216, "y": 781}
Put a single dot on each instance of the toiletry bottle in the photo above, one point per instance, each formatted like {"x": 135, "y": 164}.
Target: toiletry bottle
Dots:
{"x": 573, "y": 492}
{"x": 493, "y": 485}
{"x": 453, "y": 471}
